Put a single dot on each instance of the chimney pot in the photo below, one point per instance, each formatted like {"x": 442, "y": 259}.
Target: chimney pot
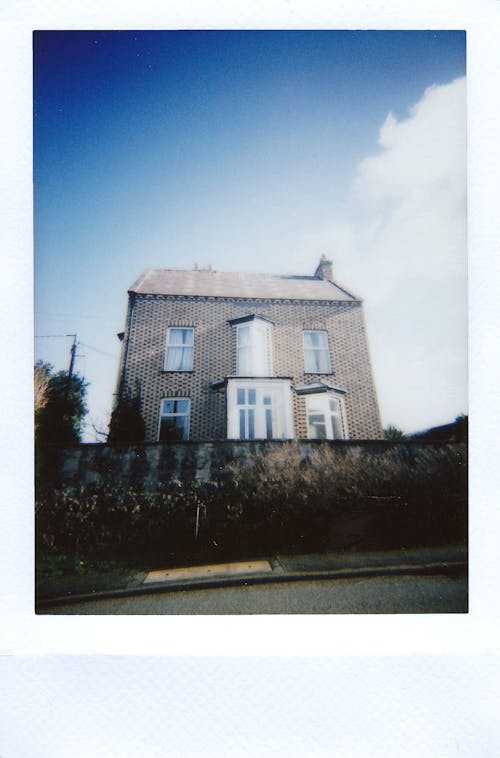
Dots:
{"x": 325, "y": 269}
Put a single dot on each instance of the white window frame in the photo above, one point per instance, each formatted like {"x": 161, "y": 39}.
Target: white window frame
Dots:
{"x": 189, "y": 346}
{"x": 259, "y": 364}
{"x": 174, "y": 414}
{"x": 277, "y": 391}
{"x": 323, "y": 408}
{"x": 323, "y": 350}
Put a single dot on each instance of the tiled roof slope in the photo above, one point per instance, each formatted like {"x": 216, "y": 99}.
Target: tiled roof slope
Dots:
{"x": 202, "y": 282}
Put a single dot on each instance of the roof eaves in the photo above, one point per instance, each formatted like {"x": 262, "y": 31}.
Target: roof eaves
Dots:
{"x": 346, "y": 292}
{"x": 316, "y": 387}
{"x": 140, "y": 281}
{"x": 250, "y": 317}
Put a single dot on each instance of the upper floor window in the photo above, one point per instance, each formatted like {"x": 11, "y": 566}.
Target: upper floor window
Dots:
{"x": 174, "y": 420}
{"x": 316, "y": 353}
{"x": 179, "y": 352}
{"x": 253, "y": 348}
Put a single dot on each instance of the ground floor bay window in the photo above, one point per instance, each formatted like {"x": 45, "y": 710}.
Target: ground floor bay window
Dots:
{"x": 259, "y": 409}
{"x": 325, "y": 416}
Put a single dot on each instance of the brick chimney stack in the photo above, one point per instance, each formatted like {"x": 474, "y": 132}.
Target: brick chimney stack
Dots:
{"x": 325, "y": 269}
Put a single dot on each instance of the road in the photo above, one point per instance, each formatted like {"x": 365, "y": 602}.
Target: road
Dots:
{"x": 377, "y": 594}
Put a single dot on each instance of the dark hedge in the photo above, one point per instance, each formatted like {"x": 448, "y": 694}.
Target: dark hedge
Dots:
{"x": 276, "y": 502}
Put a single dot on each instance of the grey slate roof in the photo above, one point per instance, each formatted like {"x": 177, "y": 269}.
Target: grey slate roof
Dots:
{"x": 202, "y": 282}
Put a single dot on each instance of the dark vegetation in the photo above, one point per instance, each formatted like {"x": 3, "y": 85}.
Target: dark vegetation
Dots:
{"x": 127, "y": 424}
{"x": 59, "y": 406}
{"x": 403, "y": 495}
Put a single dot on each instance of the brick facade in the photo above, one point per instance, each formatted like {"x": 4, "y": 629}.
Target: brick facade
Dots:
{"x": 143, "y": 357}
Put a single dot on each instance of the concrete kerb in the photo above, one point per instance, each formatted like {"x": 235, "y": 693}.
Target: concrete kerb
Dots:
{"x": 134, "y": 588}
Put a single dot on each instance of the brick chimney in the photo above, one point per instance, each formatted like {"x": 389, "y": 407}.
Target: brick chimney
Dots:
{"x": 325, "y": 269}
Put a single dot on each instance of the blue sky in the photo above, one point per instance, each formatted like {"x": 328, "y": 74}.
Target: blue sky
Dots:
{"x": 256, "y": 151}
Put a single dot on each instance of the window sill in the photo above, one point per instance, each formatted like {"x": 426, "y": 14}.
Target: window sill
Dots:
{"x": 319, "y": 373}
{"x": 177, "y": 371}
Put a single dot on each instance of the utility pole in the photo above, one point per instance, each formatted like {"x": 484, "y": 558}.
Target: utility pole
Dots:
{"x": 71, "y": 362}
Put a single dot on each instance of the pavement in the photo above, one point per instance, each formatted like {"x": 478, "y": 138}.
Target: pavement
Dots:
{"x": 448, "y": 559}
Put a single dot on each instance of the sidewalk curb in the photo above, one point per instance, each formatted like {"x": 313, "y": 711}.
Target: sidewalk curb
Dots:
{"x": 244, "y": 579}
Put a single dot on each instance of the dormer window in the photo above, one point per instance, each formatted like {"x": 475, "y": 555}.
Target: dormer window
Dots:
{"x": 253, "y": 346}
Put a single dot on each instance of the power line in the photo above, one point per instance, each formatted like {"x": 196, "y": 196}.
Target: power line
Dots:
{"x": 52, "y": 336}
{"x": 73, "y": 315}
{"x": 97, "y": 350}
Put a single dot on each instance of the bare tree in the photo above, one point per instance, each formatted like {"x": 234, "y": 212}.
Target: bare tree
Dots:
{"x": 41, "y": 385}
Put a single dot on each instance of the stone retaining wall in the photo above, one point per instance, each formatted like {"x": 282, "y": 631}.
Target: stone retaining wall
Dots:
{"x": 147, "y": 464}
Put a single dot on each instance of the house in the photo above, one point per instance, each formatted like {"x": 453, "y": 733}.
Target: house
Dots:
{"x": 215, "y": 356}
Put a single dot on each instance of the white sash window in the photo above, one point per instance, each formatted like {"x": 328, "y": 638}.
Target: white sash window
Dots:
{"x": 179, "y": 352}
{"x": 174, "y": 419}
{"x": 316, "y": 353}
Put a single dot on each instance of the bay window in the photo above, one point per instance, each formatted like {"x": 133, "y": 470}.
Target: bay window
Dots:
{"x": 259, "y": 409}
{"x": 253, "y": 346}
{"x": 325, "y": 417}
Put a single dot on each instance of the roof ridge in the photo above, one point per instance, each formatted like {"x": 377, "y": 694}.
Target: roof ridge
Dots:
{"x": 238, "y": 283}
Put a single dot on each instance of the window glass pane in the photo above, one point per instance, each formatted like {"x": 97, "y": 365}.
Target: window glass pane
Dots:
{"x": 260, "y": 357}
{"x": 182, "y": 425}
{"x": 315, "y": 339}
{"x": 180, "y": 336}
{"x": 174, "y": 337}
{"x": 181, "y": 406}
{"x": 241, "y": 397}
{"x": 316, "y": 418}
{"x": 251, "y": 428}
{"x": 338, "y": 432}
{"x": 179, "y": 359}
{"x": 309, "y": 360}
{"x": 267, "y": 399}
{"x": 242, "y": 425}
{"x": 251, "y": 397}
{"x": 323, "y": 361}
{"x": 316, "y": 427}
{"x": 174, "y": 358}
{"x": 243, "y": 336}
{"x": 310, "y": 339}
{"x": 316, "y": 403}
{"x": 269, "y": 423}
{"x": 173, "y": 428}
{"x": 317, "y": 361}
{"x": 334, "y": 405}
{"x": 244, "y": 361}
{"x": 167, "y": 406}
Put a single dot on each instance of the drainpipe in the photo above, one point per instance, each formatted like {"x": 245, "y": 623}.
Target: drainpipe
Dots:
{"x": 131, "y": 303}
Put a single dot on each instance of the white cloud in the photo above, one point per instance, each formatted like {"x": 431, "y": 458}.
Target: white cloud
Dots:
{"x": 424, "y": 152}
{"x": 404, "y": 251}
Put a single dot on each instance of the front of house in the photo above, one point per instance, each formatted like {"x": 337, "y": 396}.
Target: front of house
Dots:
{"x": 217, "y": 356}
